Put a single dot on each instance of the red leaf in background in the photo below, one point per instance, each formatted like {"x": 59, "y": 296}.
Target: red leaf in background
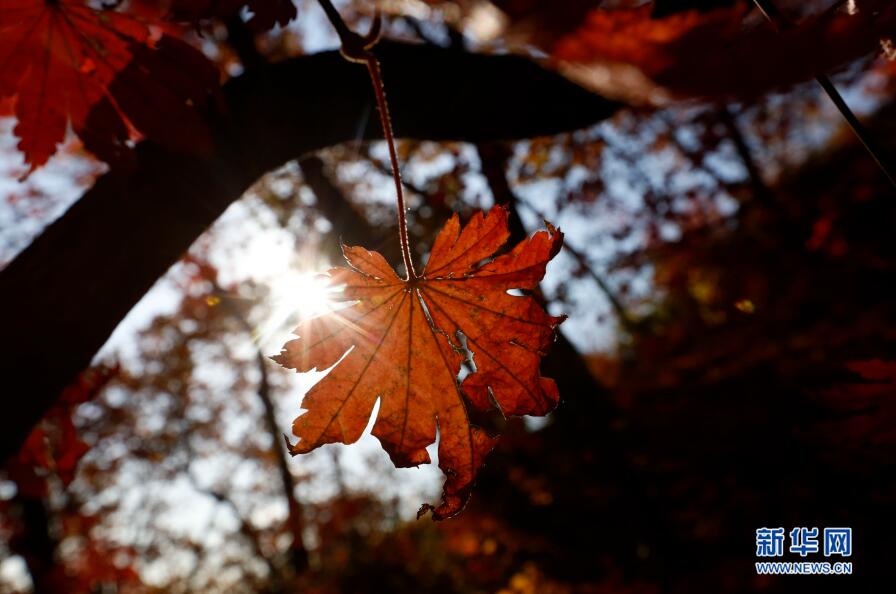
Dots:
{"x": 54, "y": 445}
{"x": 58, "y": 59}
{"x": 875, "y": 371}
{"x": 714, "y": 54}
{"x": 406, "y": 349}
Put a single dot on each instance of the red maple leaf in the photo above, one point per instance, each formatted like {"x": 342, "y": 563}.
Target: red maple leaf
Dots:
{"x": 713, "y": 54}
{"x": 58, "y": 59}
{"x": 407, "y": 340}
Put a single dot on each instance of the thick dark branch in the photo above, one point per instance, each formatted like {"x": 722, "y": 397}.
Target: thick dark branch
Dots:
{"x": 63, "y": 296}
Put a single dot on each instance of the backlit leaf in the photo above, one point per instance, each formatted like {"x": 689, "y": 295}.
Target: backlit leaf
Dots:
{"x": 405, "y": 342}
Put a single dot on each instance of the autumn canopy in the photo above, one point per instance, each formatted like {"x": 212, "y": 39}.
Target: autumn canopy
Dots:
{"x": 606, "y": 287}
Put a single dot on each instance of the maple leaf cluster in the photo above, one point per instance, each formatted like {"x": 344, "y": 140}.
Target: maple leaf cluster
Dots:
{"x": 113, "y": 76}
{"x": 407, "y": 341}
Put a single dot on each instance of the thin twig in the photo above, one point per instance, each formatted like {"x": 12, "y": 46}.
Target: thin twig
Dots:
{"x": 382, "y": 168}
{"x": 373, "y": 67}
{"x": 760, "y": 190}
{"x": 249, "y": 532}
{"x": 298, "y": 552}
{"x": 358, "y": 49}
{"x": 494, "y": 160}
{"x": 780, "y": 22}
{"x": 624, "y": 318}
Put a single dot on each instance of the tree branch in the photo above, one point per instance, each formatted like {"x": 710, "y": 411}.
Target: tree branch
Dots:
{"x": 36, "y": 543}
{"x": 761, "y": 191}
{"x": 780, "y": 22}
{"x": 494, "y": 163}
{"x": 298, "y": 555}
{"x": 63, "y": 296}
{"x": 249, "y": 532}
{"x": 563, "y": 362}
{"x": 349, "y": 226}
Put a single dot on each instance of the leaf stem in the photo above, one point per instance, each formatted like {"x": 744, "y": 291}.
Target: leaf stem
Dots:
{"x": 358, "y": 49}
{"x": 779, "y": 22}
{"x": 373, "y": 68}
